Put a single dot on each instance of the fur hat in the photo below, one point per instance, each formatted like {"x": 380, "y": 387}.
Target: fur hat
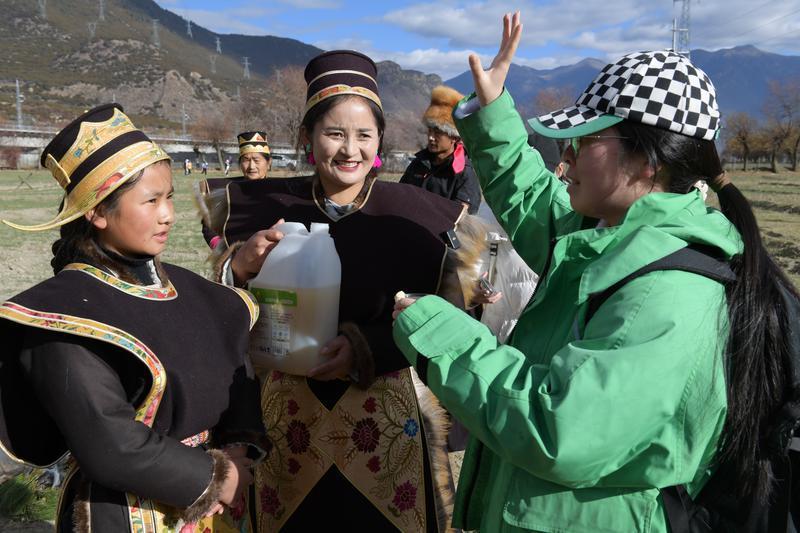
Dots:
{"x": 439, "y": 114}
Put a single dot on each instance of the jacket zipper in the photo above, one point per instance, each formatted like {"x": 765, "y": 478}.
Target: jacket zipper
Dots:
{"x": 471, "y": 483}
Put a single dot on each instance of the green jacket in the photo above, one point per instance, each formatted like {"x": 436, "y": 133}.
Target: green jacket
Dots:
{"x": 575, "y": 427}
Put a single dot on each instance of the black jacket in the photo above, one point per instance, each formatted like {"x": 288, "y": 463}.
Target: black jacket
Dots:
{"x": 443, "y": 180}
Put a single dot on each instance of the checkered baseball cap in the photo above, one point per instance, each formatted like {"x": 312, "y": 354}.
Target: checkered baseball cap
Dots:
{"x": 661, "y": 89}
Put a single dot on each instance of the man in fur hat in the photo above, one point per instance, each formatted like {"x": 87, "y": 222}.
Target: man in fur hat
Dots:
{"x": 443, "y": 167}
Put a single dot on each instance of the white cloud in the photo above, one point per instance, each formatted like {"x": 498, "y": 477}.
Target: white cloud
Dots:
{"x": 604, "y": 28}
{"x": 444, "y": 63}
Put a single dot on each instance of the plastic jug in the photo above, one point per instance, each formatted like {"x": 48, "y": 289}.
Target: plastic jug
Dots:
{"x": 298, "y": 292}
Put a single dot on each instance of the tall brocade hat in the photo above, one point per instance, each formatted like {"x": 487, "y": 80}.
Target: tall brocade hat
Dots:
{"x": 341, "y": 72}
{"x": 253, "y": 142}
{"x": 661, "y": 89}
{"x": 92, "y": 157}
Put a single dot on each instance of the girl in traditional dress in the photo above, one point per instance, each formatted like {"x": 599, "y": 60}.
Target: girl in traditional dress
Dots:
{"x": 134, "y": 367}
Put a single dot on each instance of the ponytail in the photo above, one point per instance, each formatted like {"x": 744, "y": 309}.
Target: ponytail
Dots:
{"x": 756, "y": 350}
{"x": 75, "y": 238}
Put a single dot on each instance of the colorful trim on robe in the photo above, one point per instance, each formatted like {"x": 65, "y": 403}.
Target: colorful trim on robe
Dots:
{"x": 145, "y": 516}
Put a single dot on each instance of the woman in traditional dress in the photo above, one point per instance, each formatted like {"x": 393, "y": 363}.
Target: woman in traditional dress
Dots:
{"x": 255, "y": 163}
{"x": 351, "y": 433}
{"x": 136, "y": 368}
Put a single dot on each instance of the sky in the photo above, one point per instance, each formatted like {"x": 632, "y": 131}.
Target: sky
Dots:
{"x": 437, "y": 37}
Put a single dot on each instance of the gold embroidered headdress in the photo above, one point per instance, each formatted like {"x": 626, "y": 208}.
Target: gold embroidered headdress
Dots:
{"x": 341, "y": 72}
{"x": 91, "y": 157}
{"x": 253, "y": 142}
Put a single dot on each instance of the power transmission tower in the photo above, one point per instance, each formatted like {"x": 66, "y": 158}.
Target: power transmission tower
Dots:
{"x": 246, "y": 61}
{"x": 43, "y": 8}
{"x": 189, "y": 29}
{"x": 156, "y": 40}
{"x": 102, "y": 14}
{"x": 20, "y": 98}
{"x": 219, "y": 46}
{"x": 184, "y": 118}
{"x": 92, "y": 29}
{"x": 681, "y": 21}
{"x": 213, "y": 59}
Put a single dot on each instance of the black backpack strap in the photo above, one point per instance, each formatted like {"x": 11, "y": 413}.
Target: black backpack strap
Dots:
{"x": 695, "y": 258}
{"x": 675, "y": 500}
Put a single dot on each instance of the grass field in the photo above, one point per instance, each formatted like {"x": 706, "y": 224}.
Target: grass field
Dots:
{"x": 32, "y": 197}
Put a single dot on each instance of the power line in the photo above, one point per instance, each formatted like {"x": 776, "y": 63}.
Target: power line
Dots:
{"x": 777, "y": 36}
{"x": 751, "y": 30}
{"x": 751, "y": 11}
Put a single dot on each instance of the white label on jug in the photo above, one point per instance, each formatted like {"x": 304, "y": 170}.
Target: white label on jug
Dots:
{"x": 272, "y": 333}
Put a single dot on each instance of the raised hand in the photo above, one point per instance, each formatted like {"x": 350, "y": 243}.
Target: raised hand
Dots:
{"x": 489, "y": 83}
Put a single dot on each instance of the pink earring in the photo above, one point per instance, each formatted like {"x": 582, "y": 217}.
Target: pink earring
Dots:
{"x": 310, "y": 158}
{"x": 377, "y": 163}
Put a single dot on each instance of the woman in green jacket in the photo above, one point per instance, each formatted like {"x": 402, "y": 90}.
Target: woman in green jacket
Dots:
{"x": 576, "y": 423}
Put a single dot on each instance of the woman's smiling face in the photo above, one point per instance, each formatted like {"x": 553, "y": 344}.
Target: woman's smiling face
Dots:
{"x": 345, "y": 141}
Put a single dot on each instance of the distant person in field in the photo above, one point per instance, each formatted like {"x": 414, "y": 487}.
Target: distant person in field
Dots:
{"x": 255, "y": 163}
{"x": 120, "y": 360}
{"x": 204, "y": 167}
{"x": 227, "y": 165}
{"x": 443, "y": 167}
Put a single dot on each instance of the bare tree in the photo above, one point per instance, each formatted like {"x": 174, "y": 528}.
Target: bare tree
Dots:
{"x": 213, "y": 127}
{"x": 10, "y": 156}
{"x": 404, "y": 131}
{"x": 740, "y": 130}
{"x": 285, "y": 103}
{"x": 553, "y": 98}
{"x": 782, "y": 109}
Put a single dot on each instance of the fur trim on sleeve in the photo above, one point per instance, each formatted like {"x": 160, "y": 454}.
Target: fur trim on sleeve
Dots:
{"x": 210, "y": 496}
{"x": 81, "y": 506}
{"x": 461, "y": 266}
{"x": 364, "y": 362}
{"x": 218, "y": 259}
